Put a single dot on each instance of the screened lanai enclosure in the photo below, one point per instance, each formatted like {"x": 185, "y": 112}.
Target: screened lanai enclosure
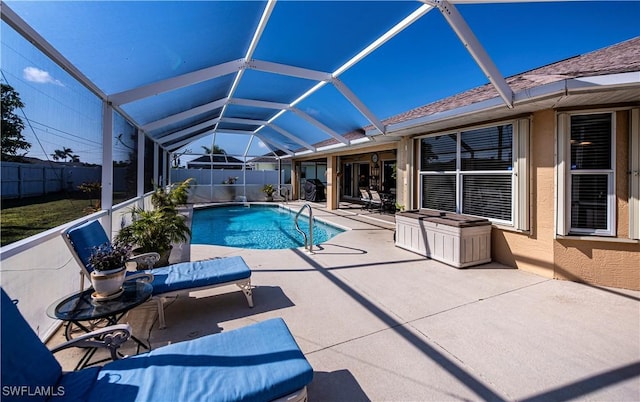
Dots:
{"x": 111, "y": 98}
{"x": 164, "y": 90}
{"x": 137, "y": 93}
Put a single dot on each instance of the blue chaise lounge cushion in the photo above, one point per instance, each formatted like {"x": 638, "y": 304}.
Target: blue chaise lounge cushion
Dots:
{"x": 176, "y": 277}
{"x": 190, "y": 275}
{"x": 85, "y": 238}
{"x": 260, "y": 362}
{"x": 26, "y": 362}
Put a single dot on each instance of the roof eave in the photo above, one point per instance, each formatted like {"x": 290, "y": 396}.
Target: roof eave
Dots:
{"x": 567, "y": 87}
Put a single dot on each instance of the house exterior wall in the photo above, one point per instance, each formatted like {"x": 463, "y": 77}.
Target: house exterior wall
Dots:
{"x": 533, "y": 251}
{"x": 614, "y": 263}
{"x": 605, "y": 263}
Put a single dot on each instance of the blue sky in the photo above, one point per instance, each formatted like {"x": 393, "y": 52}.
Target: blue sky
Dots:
{"x": 422, "y": 64}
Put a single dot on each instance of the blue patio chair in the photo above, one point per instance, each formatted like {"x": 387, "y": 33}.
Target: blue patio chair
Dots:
{"x": 260, "y": 362}
{"x": 172, "y": 280}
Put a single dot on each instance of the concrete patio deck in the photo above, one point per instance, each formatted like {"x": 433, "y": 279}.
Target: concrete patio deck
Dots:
{"x": 378, "y": 323}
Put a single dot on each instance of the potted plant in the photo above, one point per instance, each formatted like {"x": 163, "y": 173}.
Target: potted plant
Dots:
{"x": 155, "y": 230}
{"x": 230, "y": 190}
{"x": 268, "y": 190}
{"x": 174, "y": 196}
{"x": 108, "y": 263}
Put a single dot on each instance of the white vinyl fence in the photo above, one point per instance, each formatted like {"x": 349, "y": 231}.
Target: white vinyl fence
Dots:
{"x": 208, "y": 184}
{"x": 21, "y": 180}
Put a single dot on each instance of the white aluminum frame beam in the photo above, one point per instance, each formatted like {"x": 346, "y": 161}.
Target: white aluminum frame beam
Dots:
{"x": 291, "y": 71}
{"x": 291, "y": 137}
{"x": 187, "y": 131}
{"x": 238, "y": 120}
{"x": 279, "y": 145}
{"x": 266, "y": 144}
{"x": 351, "y": 97}
{"x": 264, "y": 123}
{"x": 384, "y": 38}
{"x": 258, "y": 103}
{"x": 28, "y": 33}
{"x": 207, "y": 107}
{"x": 234, "y": 131}
{"x": 188, "y": 140}
{"x": 396, "y": 29}
{"x": 264, "y": 19}
{"x": 248, "y": 147}
{"x": 475, "y": 48}
{"x": 320, "y": 125}
{"x": 177, "y": 82}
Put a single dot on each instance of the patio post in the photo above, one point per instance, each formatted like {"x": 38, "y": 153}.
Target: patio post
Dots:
{"x": 332, "y": 182}
{"x": 106, "y": 201}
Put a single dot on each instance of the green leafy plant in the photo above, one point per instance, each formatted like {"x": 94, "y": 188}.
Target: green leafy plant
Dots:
{"x": 93, "y": 190}
{"x": 155, "y": 230}
{"x": 268, "y": 189}
{"x": 109, "y": 256}
{"x": 173, "y": 196}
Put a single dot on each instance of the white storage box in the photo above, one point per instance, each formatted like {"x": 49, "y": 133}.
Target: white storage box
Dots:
{"x": 457, "y": 240}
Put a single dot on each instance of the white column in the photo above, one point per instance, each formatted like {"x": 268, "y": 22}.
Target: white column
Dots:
{"x": 107, "y": 165}
{"x": 156, "y": 168}
{"x": 140, "y": 175}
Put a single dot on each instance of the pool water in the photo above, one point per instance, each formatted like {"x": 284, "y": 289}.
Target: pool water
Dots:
{"x": 255, "y": 227}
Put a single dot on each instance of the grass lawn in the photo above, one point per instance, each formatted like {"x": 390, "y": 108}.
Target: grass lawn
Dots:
{"x": 20, "y": 219}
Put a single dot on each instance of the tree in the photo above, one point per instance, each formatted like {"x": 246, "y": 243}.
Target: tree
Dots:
{"x": 58, "y": 154}
{"x": 12, "y": 139}
{"x": 64, "y": 154}
{"x": 214, "y": 150}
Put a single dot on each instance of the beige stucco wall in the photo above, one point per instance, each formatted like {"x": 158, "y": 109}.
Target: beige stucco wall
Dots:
{"x": 602, "y": 263}
{"x": 533, "y": 251}
{"x": 614, "y": 263}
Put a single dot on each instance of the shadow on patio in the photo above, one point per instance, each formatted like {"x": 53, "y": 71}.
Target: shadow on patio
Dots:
{"x": 380, "y": 323}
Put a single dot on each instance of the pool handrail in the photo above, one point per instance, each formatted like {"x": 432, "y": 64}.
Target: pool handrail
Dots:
{"x": 304, "y": 235}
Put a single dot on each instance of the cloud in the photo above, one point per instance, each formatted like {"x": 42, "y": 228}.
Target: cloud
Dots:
{"x": 261, "y": 144}
{"x": 312, "y": 112}
{"x": 36, "y": 75}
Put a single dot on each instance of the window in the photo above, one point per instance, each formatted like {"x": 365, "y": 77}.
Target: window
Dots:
{"x": 587, "y": 185}
{"x": 474, "y": 172}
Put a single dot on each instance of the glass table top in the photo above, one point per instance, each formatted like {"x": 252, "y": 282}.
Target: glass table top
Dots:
{"x": 81, "y": 306}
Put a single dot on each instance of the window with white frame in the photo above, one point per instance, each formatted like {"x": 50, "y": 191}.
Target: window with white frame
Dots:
{"x": 586, "y": 149}
{"x": 474, "y": 172}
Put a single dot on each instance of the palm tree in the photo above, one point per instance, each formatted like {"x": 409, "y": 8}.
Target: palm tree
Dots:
{"x": 68, "y": 153}
{"x": 63, "y": 154}
{"x": 213, "y": 150}
{"x": 58, "y": 155}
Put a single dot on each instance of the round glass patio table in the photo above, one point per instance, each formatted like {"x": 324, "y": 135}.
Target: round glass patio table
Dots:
{"x": 81, "y": 307}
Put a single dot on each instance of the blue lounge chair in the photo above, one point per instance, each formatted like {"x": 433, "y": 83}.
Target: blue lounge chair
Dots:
{"x": 260, "y": 362}
{"x": 167, "y": 281}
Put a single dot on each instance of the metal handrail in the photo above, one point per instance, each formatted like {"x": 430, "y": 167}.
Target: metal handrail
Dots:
{"x": 310, "y": 248}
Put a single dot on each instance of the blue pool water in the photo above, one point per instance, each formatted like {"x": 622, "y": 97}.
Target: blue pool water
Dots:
{"x": 257, "y": 227}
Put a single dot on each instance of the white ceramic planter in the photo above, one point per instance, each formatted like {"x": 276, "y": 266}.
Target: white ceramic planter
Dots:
{"x": 107, "y": 283}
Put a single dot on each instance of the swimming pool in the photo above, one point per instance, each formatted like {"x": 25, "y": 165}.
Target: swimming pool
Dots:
{"x": 256, "y": 227}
